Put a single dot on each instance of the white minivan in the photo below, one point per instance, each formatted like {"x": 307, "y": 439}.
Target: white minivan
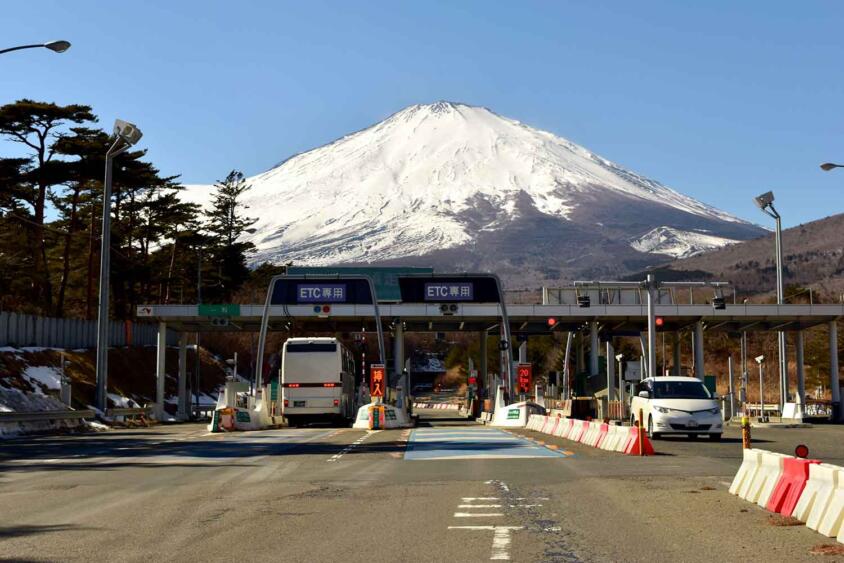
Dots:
{"x": 677, "y": 405}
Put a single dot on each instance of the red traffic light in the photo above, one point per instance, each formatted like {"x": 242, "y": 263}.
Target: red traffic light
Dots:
{"x": 326, "y": 308}
{"x": 552, "y": 321}
{"x": 659, "y": 321}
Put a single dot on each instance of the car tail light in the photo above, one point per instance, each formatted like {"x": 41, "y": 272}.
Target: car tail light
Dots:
{"x": 336, "y": 402}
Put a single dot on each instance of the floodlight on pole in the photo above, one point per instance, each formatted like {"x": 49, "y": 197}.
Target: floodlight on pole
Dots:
{"x": 766, "y": 204}
{"x": 56, "y": 46}
{"x": 126, "y": 135}
{"x": 827, "y": 166}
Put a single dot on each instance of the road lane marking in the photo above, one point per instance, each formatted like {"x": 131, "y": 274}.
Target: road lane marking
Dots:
{"x": 497, "y": 505}
{"x": 485, "y": 443}
{"x": 351, "y": 446}
{"x": 502, "y": 535}
{"x": 501, "y": 539}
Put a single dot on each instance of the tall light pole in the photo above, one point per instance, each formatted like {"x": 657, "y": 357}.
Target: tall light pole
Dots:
{"x": 765, "y": 202}
{"x": 650, "y": 286}
{"x": 827, "y": 166}
{"x": 55, "y": 46}
{"x": 126, "y": 135}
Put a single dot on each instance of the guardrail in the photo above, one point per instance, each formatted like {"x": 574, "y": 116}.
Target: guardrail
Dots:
{"x": 33, "y": 416}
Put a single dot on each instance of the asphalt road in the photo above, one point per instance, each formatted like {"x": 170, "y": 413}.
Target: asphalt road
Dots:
{"x": 446, "y": 490}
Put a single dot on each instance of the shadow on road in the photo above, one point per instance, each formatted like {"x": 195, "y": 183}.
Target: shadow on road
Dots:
{"x": 32, "y": 530}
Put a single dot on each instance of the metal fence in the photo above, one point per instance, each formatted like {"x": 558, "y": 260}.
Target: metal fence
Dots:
{"x": 19, "y": 330}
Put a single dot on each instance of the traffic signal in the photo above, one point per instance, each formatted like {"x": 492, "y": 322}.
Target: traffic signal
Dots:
{"x": 659, "y": 321}
{"x": 719, "y": 303}
{"x": 551, "y": 322}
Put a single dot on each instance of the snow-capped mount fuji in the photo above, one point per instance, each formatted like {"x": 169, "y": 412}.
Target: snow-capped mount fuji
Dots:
{"x": 462, "y": 188}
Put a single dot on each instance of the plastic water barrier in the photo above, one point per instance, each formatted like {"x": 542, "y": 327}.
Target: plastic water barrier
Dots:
{"x": 811, "y": 491}
{"x": 596, "y": 434}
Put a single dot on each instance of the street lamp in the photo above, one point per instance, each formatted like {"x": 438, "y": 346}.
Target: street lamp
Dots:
{"x": 827, "y": 166}
{"x": 56, "y": 46}
{"x": 765, "y": 202}
{"x": 126, "y": 135}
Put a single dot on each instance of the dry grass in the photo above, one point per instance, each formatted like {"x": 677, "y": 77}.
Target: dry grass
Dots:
{"x": 827, "y": 549}
{"x": 782, "y": 521}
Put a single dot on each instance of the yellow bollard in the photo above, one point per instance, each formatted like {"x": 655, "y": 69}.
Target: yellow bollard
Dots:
{"x": 745, "y": 433}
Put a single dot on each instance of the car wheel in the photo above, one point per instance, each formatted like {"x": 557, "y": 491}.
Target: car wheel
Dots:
{"x": 715, "y": 437}
{"x": 651, "y": 434}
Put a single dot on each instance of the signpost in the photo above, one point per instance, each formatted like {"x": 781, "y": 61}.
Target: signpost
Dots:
{"x": 377, "y": 380}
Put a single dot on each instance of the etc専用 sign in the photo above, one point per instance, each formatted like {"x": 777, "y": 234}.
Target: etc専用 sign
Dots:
{"x": 449, "y": 291}
{"x": 321, "y": 293}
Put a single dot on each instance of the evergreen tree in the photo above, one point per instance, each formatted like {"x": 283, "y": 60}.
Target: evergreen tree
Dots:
{"x": 226, "y": 225}
{"x": 39, "y": 126}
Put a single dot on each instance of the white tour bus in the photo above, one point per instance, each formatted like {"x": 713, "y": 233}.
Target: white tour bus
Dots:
{"x": 317, "y": 380}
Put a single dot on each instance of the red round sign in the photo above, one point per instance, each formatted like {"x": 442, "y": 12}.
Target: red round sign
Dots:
{"x": 802, "y": 451}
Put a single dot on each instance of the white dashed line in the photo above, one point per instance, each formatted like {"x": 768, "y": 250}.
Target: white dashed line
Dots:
{"x": 351, "y": 446}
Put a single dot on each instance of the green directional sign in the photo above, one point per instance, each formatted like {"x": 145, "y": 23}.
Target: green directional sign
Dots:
{"x": 513, "y": 414}
{"x": 219, "y": 310}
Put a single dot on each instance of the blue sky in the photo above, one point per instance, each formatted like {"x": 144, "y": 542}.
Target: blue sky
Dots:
{"x": 719, "y": 100}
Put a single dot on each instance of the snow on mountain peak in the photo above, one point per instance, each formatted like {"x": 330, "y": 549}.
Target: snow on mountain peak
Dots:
{"x": 677, "y": 243}
{"x": 431, "y": 177}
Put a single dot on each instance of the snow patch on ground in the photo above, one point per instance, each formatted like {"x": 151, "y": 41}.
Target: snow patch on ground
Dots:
{"x": 678, "y": 243}
{"x": 47, "y": 376}
{"x": 121, "y": 402}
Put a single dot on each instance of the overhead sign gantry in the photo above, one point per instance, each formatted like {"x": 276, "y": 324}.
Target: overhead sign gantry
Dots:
{"x": 453, "y": 290}
{"x": 321, "y": 291}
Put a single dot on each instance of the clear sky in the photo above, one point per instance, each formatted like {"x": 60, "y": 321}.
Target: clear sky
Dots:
{"x": 721, "y": 100}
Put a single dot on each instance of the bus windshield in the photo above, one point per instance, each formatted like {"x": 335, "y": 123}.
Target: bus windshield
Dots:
{"x": 312, "y": 347}
{"x": 680, "y": 390}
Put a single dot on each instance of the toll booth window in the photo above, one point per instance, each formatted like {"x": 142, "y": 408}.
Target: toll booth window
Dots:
{"x": 312, "y": 347}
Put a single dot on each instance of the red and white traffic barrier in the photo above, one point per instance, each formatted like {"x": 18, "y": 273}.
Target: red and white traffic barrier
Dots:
{"x": 611, "y": 438}
{"x": 806, "y": 489}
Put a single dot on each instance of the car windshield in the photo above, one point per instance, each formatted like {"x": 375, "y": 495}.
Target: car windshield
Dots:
{"x": 680, "y": 390}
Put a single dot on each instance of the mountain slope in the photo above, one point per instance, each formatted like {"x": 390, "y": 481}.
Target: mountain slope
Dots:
{"x": 813, "y": 255}
{"x": 461, "y": 187}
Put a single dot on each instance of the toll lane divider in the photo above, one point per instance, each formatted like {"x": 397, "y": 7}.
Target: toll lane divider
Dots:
{"x": 596, "y": 434}
{"x": 811, "y": 491}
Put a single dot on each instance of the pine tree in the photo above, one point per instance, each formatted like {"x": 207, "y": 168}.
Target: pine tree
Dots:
{"x": 39, "y": 126}
{"x": 226, "y": 225}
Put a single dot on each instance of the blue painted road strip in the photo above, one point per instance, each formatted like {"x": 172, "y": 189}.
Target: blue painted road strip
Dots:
{"x": 472, "y": 443}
